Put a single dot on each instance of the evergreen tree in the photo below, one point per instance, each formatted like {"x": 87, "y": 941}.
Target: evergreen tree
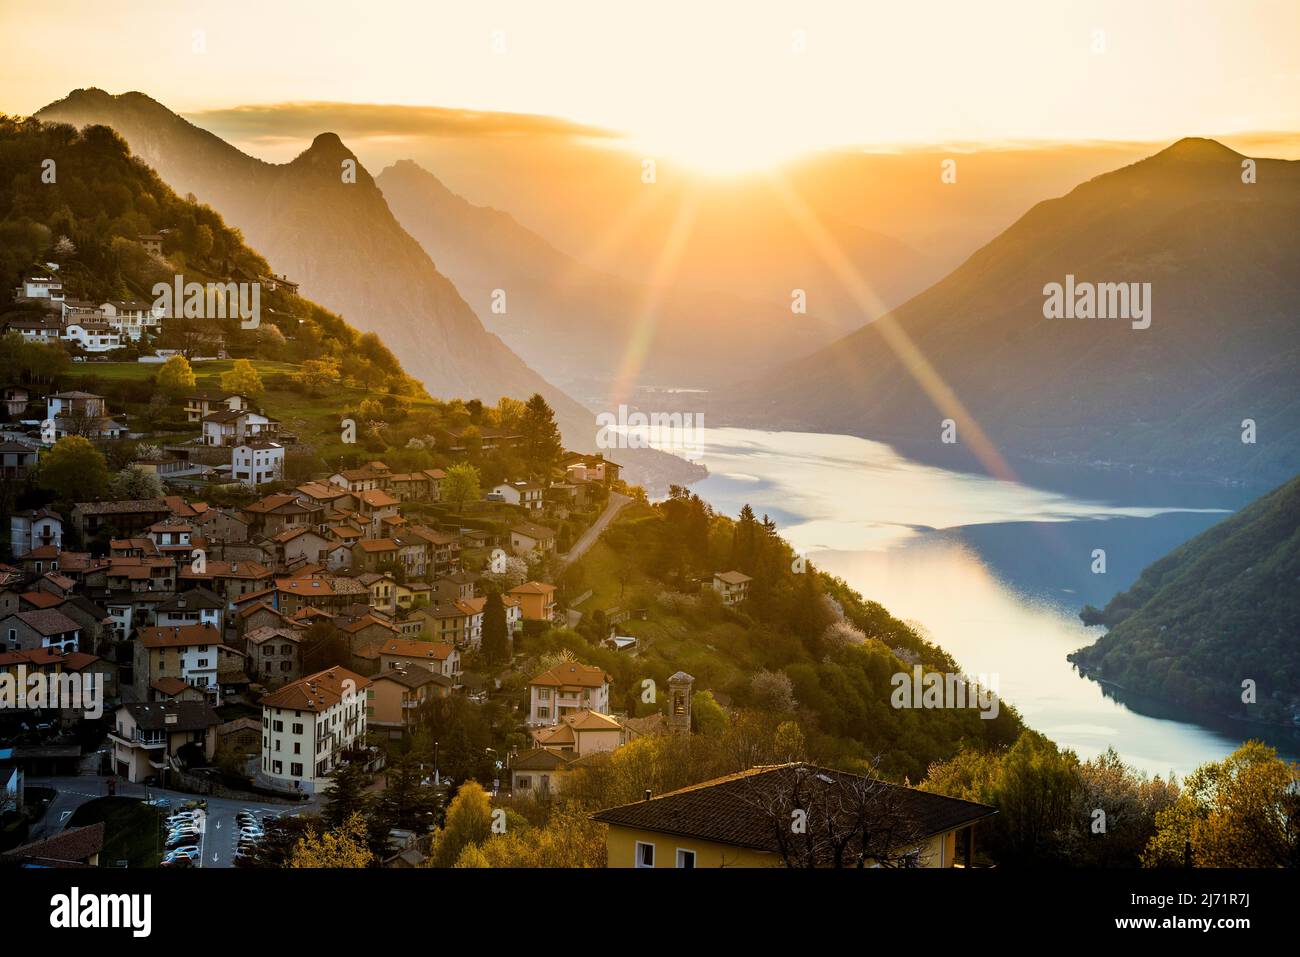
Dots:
{"x": 542, "y": 445}
{"x": 405, "y": 803}
{"x": 347, "y": 796}
{"x": 496, "y": 638}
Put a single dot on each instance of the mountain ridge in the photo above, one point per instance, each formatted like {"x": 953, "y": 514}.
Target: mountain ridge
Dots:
{"x": 592, "y": 319}
{"x": 341, "y": 242}
{"x": 1216, "y": 251}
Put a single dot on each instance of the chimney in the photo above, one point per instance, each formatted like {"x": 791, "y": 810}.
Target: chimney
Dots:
{"x": 647, "y": 794}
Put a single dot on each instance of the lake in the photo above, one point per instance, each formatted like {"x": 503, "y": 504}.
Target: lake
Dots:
{"x": 993, "y": 571}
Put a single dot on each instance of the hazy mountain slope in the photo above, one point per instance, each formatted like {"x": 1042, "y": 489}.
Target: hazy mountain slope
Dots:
{"x": 342, "y": 243}
{"x": 1214, "y": 612}
{"x": 1223, "y": 345}
{"x": 575, "y": 324}
{"x": 89, "y": 221}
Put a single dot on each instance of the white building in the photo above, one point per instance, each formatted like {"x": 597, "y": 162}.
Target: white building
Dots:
{"x": 40, "y": 286}
{"x": 527, "y": 495}
{"x": 308, "y": 725}
{"x": 232, "y": 427}
{"x": 565, "y": 689}
{"x": 257, "y": 462}
{"x": 78, "y": 413}
{"x": 92, "y": 336}
{"x": 33, "y": 528}
{"x": 192, "y": 653}
{"x": 132, "y": 318}
{"x": 195, "y": 607}
{"x": 733, "y": 586}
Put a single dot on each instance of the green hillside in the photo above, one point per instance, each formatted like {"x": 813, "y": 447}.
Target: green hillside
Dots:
{"x": 81, "y": 200}
{"x": 1215, "y": 612}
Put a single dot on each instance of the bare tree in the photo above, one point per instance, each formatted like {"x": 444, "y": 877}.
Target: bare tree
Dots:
{"x": 824, "y": 818}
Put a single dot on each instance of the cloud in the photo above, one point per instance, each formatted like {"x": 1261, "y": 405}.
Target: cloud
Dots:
{"x": 281, "y": 121}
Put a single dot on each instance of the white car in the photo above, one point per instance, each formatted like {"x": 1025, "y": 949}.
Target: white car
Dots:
{"x": 188, "y": 850}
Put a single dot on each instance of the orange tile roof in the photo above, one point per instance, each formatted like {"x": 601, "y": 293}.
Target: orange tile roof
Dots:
{"x": 179, "y": 636}
{"x": 316, "y": 693}
{"x": 411, "y": 648}
{"x": 572, "y": 674}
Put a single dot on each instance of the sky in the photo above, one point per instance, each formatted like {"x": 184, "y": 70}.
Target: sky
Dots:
{"x": 720, "y": 84}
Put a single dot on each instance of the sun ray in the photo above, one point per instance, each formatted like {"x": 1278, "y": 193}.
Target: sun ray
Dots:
{"x": 643, "y": 327}
{"x": 945, "y": 399}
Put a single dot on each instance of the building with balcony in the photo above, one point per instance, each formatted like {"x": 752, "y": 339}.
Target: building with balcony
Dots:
{"x": 308, "y": 727}
{"x": 147, "y": 738}
{"x": 566, "y": 689}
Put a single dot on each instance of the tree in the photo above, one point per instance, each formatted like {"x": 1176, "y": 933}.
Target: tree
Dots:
{"x": 347, "y": 795}
{"x": 1243, "y": 811}
{"x": 509, "y": 414}
{"x": 343, "y": 846}
{"x": 243, "y": 379}
{"x": 773, "y": 691}
{"x": 569, "y": 838}
{"x": 176, "y": 377}
{"x": 542, "y": 446}
{"x": 73, "y": 470}
{"x": 496, "y": 636}
{"x": 133, "y": 482}
{"x": 317, "y": 373}
{"x": 462, "y": 485}
{"x": 469, "y": 822}
{"x": 832, "y": 819}
{"x": 707, "y": 715}
{"x": 404, "y": 802}
{"x": 283, "y": 834}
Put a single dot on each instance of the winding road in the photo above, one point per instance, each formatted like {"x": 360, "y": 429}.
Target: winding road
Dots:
{"x": 588, "y": 538}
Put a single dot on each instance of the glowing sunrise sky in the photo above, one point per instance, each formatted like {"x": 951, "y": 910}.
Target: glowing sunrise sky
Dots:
{"x": 718, "y": 83}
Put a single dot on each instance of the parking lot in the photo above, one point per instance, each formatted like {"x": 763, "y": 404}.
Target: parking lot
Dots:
{"x": 216, "y": 827}
{"x": 218, "y": 836}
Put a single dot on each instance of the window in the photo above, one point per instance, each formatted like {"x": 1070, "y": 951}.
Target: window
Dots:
{"x": 297, "y": 727}
{"x": 645, "y": 854}
{"x": 685, "y": 858}
{"x": 295, "y": 770}
{"x": 277, "y": 767}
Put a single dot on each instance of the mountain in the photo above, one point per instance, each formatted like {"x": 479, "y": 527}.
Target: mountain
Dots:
{"x": 89, "y": 220}
{"x": 1218, "y": 610}
{"x": 577, "y": 325}
{"x": 1223, "y": 344}
{"x": 340, "y": 241}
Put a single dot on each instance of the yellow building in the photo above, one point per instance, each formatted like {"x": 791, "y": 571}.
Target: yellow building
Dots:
{"x": 582, "y": 733}
{"x": 536, "y": 599}
{"x": 792, "y": 815}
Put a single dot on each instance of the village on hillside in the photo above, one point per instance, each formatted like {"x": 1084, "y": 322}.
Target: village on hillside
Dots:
{"x": 265, "y": 645}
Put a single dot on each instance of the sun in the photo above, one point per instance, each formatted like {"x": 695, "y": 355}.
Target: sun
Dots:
{"x": 716, "y": 152}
